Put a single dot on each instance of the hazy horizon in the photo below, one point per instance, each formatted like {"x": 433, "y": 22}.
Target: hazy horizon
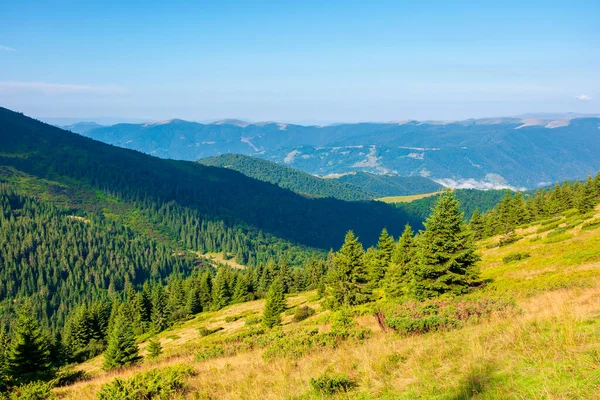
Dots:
{"x": 303, "y": 63}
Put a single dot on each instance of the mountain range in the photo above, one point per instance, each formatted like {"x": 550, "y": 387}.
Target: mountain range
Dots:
{"x": 517, "y": 152}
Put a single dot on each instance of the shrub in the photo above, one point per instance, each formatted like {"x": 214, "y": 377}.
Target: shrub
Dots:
{"x": 559, "y": 238}
{"x": 571, "y": 212}
{"x": 204, "y": 331}
{"x": 515, "y": 257}
{"x": 549, "y": 227}
{"x": 68, "y": 375}
{"x": 164, "y": 383}
{"x": 209, "y": 352}
{"x": 252, "y": 321}
{"x": 508, "y": 239}
{"x": 302, "y": 313}
{"x": 436, "y": 314}
{"x": 332, "y": 384}
{"x": 31, "y": 391}
{"x": 535, "y": 239}
{"x": 556, "y": 232}
{"x": 593, "y": 224}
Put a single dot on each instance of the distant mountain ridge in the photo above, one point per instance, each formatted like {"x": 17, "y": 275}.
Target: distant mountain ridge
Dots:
{"x": 351, "y": 186}
{"x": 515, "y": 152}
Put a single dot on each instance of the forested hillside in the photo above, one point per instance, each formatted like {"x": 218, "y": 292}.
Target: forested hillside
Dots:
{"x": 352, "y": 186}
{"x": 470, "y": 200}
{"x": 389, "y": 184}
{"x": 288, "y": 177}
{"x": 80, "y": 166}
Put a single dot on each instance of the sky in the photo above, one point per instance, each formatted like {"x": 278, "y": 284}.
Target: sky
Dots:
{"x": 303, "y": 62}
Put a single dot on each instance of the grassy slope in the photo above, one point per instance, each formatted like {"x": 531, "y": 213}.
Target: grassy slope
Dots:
{"x": 407, "y": 199}
{"x": 547, "y": 347}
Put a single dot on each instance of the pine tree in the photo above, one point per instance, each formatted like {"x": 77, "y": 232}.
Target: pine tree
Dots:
{"x": 241, "y": 289}
{"x": 348, "y": 278}
{"x": 122, "y": 350}
{"x": 154, "y": 347}
{"x": 220, "y": 293}
{"x": 477, "y": 225}
{"x": 28, "y": 357}
{"x": 447, "y": 259}
{"x": 385, "y": 249}
{"x": 274, "y": 304}
{"x": 160, "y": 313}
{"x": 398, "y": 276}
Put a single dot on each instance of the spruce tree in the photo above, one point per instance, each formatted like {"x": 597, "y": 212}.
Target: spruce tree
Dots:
{"x": 377, "y": 268}
{"x": 274, "y": 304}
{"x": 160, "y": 313}
{"x": 348, "y": 278}
{"x": 220, "y": 292}
{"x": 241, "y": 289}
{"x": 28, "y": 357}
{"x": 446, "y": 253}
{"x": 399, "y": 275}
{"x": 122, "y": 349}
{"x": 154, "y": 347}
{"x": 477, "y": 225}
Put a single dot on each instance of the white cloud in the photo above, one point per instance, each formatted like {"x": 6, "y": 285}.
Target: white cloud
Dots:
{"x": 6, "y": 48}
{"x": 583, "y": 97}
{"x": 57, "y": 88}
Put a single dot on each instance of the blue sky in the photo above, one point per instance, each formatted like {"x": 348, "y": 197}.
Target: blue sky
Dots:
{"x": 311, "y": 61}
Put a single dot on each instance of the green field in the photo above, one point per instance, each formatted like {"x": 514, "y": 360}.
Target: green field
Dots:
{"x": 407, "y": 199}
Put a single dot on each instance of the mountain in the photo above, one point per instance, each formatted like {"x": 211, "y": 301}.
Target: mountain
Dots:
{"x": 517, "y": 152}
{"x": 46, "y": 152}
{"x": 82, "y": 220}
{"x": 352, "y": 186}
{"x": 288, "y": 177}
{"x": 81, "y": 127}
{"x": 389, "y": 185}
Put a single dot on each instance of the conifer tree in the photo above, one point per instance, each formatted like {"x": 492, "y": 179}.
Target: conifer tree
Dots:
{"x": 385, "y": 249}
{"x": 477, "y": 225}
{"x": 399, "y": 275}
{"x": 28, "y": 357}
{"x": 220, "y": 294}
{"x": 160, "y": 312}
{"x": 274, "y": 304}
{"x": 122, "y": 350}
{"x": 446, "y": 253}
{"x": 241, "y": 289}
{"x": 154, "y": 347}
{"x": 348, "y": 278}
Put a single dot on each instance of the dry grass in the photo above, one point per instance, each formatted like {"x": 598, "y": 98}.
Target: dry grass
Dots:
{"x": 547, "y": 347}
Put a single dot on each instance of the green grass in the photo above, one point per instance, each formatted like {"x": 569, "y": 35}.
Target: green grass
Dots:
{"x": 407, "y": 199}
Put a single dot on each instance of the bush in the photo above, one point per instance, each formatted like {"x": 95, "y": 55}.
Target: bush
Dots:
{"x": 515, "y": 257}
{"x": 549, "y": 227}
{"x": 68, "y": 375}
{"x": 556, "y": 232}
{"x": 508, "y": 239}
{"x": 436, "y": 314}
{"x": 593, "y": 224}
{"x": 332, "y": 384}
{"x": 31, "y": 391}
{"x": 164, "y": 383}
{"x": 209, "y": 352}
{"x": 302, "y": 313}
{"x": 252, "y": 321}
{"x": 559, "y": 238}
{"x": 203, "y": 331}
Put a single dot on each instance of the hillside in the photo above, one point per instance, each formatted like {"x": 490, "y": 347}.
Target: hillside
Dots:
{"x": 84, "y": 167}
{"x": 390, "y": 184}
{"x": 484, "y": 153}
{"x": 352, "y": 186}
{"x": 287, "y": 177}
{"x": 541, "y": 343}
{"x": 82, "y": 220}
